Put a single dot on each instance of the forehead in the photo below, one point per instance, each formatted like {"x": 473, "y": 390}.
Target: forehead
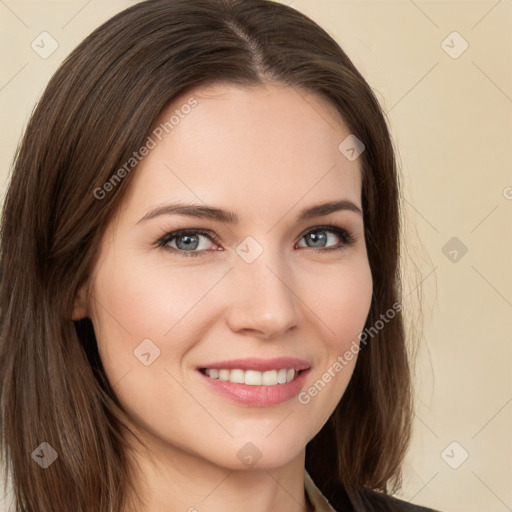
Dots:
{"x": 247, "y": 147}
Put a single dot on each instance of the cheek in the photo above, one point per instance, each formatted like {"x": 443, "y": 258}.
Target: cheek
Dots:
{"x": 136, "y": 299}
{"x": 147, "y": 299}
{"x": 133, "y": 308}
{"x": 342, "y": 306}
{"x": 343, "y": 303}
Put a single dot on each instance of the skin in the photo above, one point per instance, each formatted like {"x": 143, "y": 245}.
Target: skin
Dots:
{"x": 265, "y": 153}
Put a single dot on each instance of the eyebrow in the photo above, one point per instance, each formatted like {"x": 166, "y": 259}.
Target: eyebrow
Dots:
{"x": 230, "y": 217}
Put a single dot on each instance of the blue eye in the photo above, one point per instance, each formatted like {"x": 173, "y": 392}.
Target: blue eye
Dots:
{"x": 346, "y": 237}
{"x": 188, "y": 240}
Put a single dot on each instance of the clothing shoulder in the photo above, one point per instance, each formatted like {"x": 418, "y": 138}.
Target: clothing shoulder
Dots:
{"x": 384, "y": 503}
{"x": 334, "y": 497}
{"x": 373, "y": 502}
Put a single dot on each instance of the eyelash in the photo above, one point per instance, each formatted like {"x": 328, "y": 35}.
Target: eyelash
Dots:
{"x": 347, "y": 238}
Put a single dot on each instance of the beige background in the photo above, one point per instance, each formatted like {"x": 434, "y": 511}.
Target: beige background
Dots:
{"x": 451, "y": 119}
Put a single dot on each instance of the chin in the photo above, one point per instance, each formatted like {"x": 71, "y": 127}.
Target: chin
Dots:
{"x": 260, "y": 453}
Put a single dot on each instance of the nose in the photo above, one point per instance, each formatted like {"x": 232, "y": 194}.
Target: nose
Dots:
{"x": 262, "y": 297}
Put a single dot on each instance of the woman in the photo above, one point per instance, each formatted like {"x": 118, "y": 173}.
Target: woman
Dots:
{"x": 200, "y": 277}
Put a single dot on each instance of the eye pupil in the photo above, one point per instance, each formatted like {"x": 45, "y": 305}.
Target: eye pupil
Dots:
{"x": 188, "y": 240}
{"x": 318, "y": 239}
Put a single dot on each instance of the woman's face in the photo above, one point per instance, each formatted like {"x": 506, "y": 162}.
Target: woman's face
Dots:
{"x": 271, "y": 284}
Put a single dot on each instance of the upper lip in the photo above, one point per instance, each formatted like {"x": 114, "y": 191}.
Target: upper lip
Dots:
{"x": 261, "y": 365}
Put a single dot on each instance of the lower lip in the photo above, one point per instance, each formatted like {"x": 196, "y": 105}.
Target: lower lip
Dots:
{"x": 257, "y": 396}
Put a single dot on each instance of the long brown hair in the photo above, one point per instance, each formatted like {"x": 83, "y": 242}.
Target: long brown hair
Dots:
{"x": 98, "y": 109}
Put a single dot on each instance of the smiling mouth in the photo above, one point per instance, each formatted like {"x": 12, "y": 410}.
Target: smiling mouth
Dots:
{"x": 253, "y": 377}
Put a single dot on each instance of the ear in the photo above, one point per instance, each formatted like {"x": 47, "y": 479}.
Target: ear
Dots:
{"x": 80, "y": 306}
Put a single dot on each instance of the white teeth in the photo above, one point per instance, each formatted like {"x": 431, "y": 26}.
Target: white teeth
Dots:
{"x": 253, "y": 377}
{"x": 269, "y": 378}
{"x": 236, "y": 376}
